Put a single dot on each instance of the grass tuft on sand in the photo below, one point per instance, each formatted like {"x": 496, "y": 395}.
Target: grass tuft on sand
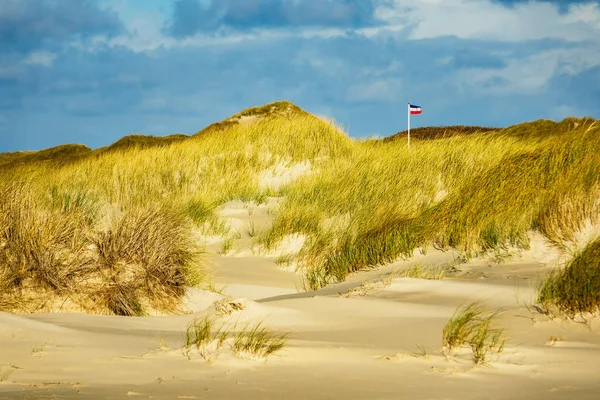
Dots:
{"x": 473, "y": 325}
{"x": 202, "y": 335}
{"x": 576, "y": 288}
{"x": 258, "y": 341}
{"x": 252, "y": 341}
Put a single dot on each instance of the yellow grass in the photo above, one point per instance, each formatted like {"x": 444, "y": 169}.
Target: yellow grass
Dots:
{"x": 98, "y": 219}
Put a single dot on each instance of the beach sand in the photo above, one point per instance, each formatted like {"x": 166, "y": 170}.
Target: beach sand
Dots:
{"x": 371, "y": 337}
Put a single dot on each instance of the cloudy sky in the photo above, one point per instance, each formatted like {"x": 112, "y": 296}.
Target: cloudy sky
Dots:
{"x": 92, "y": 71}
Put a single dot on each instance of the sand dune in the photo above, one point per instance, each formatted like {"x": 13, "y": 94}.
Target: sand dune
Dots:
{"x": 382, "y": 343}
{"x": 375, "y": 336}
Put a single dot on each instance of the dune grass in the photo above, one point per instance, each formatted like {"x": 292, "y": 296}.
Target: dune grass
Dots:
{"x": 55, "y": 155}
{"x": 440, "y": 132}
{"x": 251, "y": 341}
{"x": 258, "y": 341}
{"x": 474, "y": 194}
{"x": 148, "y": 253}
{"x": 202, "y": 335}
{"x": 473, "y": 325}
{"x": 124, "y": 217}
{"x": 51, "y": 253}
{"x": 431, "y": 272}
{"x": 576, "y": 288}
{"x": 113, "y": 232}
{"x": 6, "y": 372}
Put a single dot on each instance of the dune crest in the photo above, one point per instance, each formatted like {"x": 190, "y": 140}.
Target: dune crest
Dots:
{"x": 270, "y": 255}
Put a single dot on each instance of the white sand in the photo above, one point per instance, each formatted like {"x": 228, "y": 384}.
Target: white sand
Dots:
{"x": 356, "y": 347}
{"x": 283, "y": 173}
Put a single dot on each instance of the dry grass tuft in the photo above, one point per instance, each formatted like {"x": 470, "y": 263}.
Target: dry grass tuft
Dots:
{"x": 425, "y": 272}
{"x": 6, "y": 372}
{"x": 369, "y": 286}
{"x": 249, "y": 342}
{"x": 148, "y": 253}
{"x": 49, "y": 254}
{"x": 552, "y": 340}
{"x": 228, "y": 306}
{"x": 202, "y": 335}
{"x": 258, "y": 341}
{"x": 43, "y": 249}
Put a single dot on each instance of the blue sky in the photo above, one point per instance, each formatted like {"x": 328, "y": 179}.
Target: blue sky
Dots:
{"x": 92, "y": 71}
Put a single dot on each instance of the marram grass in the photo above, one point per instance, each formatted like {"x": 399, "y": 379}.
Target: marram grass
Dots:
{"x": 364, "y": 203}
{"x": 475, "y": 326}
{"x": 575, "y": 289}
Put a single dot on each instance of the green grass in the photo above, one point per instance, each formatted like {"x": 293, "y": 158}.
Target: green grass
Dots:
{"x": 228, "y": 246}
{"x": 576, "y": 288}
{"x": 473, "y": 325}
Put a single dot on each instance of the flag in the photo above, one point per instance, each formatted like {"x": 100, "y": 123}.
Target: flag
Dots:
{"x": 415, "y": 109}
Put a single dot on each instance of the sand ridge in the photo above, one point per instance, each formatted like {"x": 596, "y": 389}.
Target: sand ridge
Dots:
{"x": 376, "y": 335}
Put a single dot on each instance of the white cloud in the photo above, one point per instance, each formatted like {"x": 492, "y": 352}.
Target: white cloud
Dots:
{"x": 466, "y": 19}
{"x": 383, "y": 90}
{"x": 587, "y": 13}
{"x": 43, "y": 58}
{"x": 483, "y": 19}
{"x": 524, "y": 76}
{"x": 530, "y": 75}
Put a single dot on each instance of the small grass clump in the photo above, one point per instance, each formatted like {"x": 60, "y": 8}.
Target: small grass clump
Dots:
{"x": 425, "y": 272}
{"x": 249, "y": 342}
{"x": 473, "y": 325}
{"x": 258, "y": 341}
{"x": 199, "y": 211}
{"x": 202, "y": 335}
{"x": 576, "y": 288}
{"x": 314, "y": 278}
{"x": 368, "y": 286}
{"x": 229, "y": 245}
{"x": 285, "y": 260}
{"x": 6, "y": 372}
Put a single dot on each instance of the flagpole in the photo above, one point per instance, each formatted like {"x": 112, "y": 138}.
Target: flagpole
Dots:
{"x": 409, "y": 125}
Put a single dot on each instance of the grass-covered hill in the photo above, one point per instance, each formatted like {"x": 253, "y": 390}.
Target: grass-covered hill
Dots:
{"x": 439, "y": 132}
{"x": 115, "y": 230}
{"x": 60, "y": 154}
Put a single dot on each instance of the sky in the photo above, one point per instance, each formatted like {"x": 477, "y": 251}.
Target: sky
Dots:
{"x": 93, "y": 71}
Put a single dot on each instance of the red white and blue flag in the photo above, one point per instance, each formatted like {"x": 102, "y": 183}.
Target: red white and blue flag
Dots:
{"x": 415, "y": 109}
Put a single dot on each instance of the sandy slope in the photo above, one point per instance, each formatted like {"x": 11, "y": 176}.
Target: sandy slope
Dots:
{"x": 357, "y": 346}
